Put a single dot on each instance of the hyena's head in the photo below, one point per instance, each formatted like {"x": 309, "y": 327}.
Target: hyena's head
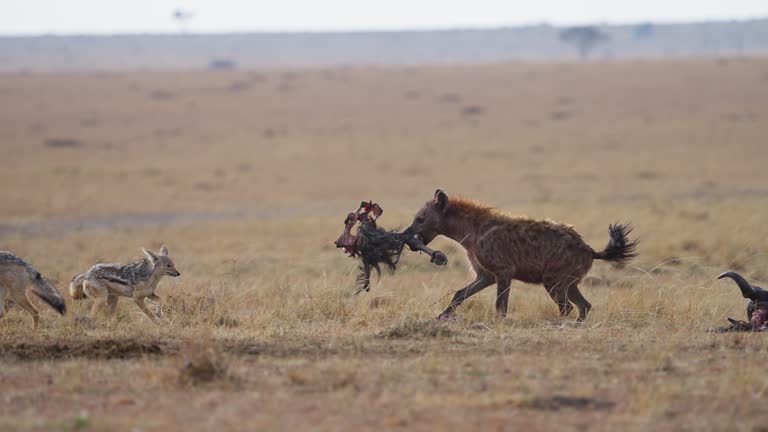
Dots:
{"x": 162, "y": 261}
{"x": 429, "y": 222}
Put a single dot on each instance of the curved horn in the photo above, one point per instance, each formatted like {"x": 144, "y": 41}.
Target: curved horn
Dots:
{"x": 746, "y": 289}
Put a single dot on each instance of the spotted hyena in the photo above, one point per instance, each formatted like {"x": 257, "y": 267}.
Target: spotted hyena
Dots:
{"x": 501, "y": 248}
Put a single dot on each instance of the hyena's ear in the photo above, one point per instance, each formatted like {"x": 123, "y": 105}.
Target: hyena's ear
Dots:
{"x": 164, "y": 250}
{"x": 441, "y": 198}
{"x": 150, "y": 256}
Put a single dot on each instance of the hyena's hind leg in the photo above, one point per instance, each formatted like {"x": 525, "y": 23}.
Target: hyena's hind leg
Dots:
{"x": 566, "y": 289}
{"x": 577, "y": 297}
{"x": 563, "y": 280}
{"x": 560, "y": 297}
{"x": 563, "y": 287}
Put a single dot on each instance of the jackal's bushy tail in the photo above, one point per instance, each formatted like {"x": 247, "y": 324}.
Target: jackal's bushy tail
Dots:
{"x": 43, "y": 289}
{"x": 76, "y": 287}
{"x": 619, "y": 249}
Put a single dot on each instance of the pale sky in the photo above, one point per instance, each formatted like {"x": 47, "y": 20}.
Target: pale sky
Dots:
{"x": 138, "y": 16}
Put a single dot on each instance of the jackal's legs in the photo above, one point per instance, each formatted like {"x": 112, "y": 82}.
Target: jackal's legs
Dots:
{"x": 111, "y": 303}
{"x": 98, "y": 293}
{"x": 22, "y": 300}
{"x": 140, "y": 303}
{"x": 29, "y": 307}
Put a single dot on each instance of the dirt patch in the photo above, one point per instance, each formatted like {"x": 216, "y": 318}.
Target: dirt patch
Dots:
{"x": 249, "y": 347}
{"x": 95, "y": 349}
{"x": 417, "y": 329}
{"x": 107, "y": 349}
{"x": 62, "y": 143}
{"x": 558, "y": 402}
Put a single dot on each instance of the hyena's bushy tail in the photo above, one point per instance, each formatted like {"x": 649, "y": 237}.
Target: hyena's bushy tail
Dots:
{"x": 43, "y": 289}
{"x": 76, "y": 287}
{"x": 619, "y": 249}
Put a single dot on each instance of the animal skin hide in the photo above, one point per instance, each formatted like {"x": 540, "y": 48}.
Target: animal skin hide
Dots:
{"x": 375, "y": 245}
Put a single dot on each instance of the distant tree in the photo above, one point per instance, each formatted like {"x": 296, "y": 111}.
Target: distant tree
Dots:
{"x": 644, "y": 30}
{"x": 585, "y": 38}
{"x": 181, "y": 16}
{"x": 222, "y": 64}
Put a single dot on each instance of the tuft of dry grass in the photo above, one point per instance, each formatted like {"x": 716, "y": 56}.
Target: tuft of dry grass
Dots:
{"x": 202, "y": 363}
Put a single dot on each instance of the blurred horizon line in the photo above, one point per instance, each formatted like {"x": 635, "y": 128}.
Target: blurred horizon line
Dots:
{"x": 536, "y": 43}
{"x": 383, "y": 30}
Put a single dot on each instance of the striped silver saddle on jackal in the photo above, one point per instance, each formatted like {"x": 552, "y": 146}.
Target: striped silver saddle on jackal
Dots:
{"x": 105, "y": 283}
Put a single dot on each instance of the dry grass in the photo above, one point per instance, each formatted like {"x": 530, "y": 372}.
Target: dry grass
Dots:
{"x": 249, "y": 187}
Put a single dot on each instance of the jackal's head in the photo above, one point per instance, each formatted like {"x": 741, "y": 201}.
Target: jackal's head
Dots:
{"x": 429, "y": 221}
{"x": 162, "y": 261}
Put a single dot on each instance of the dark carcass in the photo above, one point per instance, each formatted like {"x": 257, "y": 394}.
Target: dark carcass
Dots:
{"x": 757, "y": 307}
{"x": 376, "y": 246}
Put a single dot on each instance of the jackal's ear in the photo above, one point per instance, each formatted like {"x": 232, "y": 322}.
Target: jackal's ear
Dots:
{"x": 150, "y": 256}
{"x": 164, "y": 250}
{"x": 441, "y": 198}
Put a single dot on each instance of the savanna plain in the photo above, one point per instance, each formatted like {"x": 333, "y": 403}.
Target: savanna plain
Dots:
{"x": 247, "y": 176}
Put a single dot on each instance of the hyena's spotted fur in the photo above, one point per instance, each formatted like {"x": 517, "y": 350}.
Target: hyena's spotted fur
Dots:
{"x": 501, "y": 248}
{"x": 105, "y": 283}
{"x": 17, "y": 278}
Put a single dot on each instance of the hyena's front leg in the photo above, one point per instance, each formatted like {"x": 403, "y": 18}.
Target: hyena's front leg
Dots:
{"x": 482, "y": 281}
{"x": 140, "y": 303}
{"x": 503, "y": 283}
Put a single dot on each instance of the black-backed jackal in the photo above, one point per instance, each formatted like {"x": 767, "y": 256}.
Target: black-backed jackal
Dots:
{"x": 105, "y": 283}
{"x": 18, "y": 278}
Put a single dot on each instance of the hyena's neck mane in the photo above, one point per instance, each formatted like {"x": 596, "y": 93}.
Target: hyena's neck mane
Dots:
{"x": 464, "y": 217}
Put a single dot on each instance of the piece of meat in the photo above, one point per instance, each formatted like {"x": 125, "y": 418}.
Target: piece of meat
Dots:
{"x": 348, "y": 241}
{"x": 759, "y": 320}
{"x": 367, "y": 213}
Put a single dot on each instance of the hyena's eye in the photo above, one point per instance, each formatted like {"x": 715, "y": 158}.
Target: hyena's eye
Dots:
{"x": 420, "y": 219}
{"x": 168, "y": 265}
